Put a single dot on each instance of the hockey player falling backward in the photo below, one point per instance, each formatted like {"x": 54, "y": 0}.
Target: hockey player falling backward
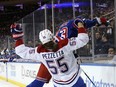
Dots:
{"x": 57, "y": 57}
{"x": 67, "y": 30}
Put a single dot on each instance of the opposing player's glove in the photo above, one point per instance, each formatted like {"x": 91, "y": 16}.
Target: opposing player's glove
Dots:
{"x": 101, "y": 21}
{"x": 16, "y": 30}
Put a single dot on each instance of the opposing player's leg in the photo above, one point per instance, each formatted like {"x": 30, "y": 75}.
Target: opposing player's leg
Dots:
{"x": 43, "y": 76}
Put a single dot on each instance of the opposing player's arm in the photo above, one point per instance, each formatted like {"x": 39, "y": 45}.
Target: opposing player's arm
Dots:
{"x": 81, "y": 40}
{"x": 97, "y": 21}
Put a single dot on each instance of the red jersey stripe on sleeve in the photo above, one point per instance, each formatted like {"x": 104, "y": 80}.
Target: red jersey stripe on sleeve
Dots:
{"x": 19, "y": 42}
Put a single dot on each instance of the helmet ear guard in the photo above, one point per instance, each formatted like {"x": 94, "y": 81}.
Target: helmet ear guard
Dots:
{"x": 45, "y": 36}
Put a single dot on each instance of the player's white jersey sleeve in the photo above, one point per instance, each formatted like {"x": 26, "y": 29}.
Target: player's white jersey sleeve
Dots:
{"x": 78, "y": 42}
{"x": 26, "y": 52}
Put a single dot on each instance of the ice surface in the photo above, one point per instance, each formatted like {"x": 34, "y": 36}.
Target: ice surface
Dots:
{"x": 6, "y": 84}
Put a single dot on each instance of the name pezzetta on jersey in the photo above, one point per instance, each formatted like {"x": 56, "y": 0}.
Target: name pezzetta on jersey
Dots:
{"x": 52, "y": 55}
{"x": 61, "y": 64}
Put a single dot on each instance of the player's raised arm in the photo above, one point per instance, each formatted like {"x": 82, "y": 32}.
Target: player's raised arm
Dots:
{"x": 97, "y": 21}
{"x": 20, "y": 48}
{"x": 79, "y": 41}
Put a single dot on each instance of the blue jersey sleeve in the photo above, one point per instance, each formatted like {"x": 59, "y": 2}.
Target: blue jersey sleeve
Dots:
{"x": 89, "y": 23}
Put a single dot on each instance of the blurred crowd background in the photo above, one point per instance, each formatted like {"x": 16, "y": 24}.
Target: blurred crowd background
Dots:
{"x": 52, "y": 15}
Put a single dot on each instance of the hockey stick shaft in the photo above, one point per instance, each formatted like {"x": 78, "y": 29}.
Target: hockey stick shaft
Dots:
{"x": 88, "y": 77}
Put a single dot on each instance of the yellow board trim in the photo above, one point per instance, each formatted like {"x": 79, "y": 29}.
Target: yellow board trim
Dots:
{"x": 13, "y": 82}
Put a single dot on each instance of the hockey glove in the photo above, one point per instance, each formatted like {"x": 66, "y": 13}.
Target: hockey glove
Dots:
{"x": 101, "y": 21}
{"x": 77, "y": 20}
{"x": 16, "y": 30}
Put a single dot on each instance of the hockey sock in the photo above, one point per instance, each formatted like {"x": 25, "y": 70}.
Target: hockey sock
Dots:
{"x": 79, "y": 83}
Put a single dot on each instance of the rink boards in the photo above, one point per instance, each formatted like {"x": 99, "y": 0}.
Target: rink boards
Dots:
{"x": 21, "y": 74}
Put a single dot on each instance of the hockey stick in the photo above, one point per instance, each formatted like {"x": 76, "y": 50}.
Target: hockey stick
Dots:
{"x": 88, "y": 78}
{"x": 87, "y": 75}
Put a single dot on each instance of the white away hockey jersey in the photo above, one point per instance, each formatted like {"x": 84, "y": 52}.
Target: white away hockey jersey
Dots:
{"x": 61, "y": 63}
